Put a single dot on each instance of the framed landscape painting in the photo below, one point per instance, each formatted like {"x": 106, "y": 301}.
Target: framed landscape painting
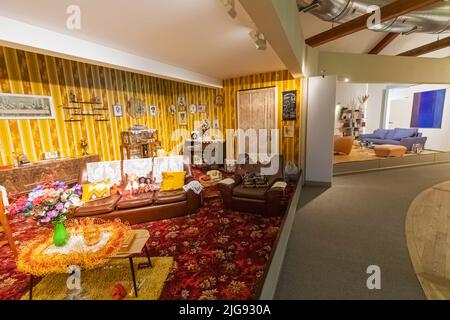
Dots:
{"x": 26, "y": 107}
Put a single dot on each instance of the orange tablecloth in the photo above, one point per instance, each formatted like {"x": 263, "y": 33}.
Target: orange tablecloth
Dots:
{"x": 33, "y": 260}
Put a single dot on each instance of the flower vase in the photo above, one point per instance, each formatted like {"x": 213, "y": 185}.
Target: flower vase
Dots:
{"x": 60, "y": 235}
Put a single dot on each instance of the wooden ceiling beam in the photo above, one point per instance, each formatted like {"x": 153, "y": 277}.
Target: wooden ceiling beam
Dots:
{"x": 388, "y": 12}
{"x": 430, "y": 47}
{"x": 391, "y": 36}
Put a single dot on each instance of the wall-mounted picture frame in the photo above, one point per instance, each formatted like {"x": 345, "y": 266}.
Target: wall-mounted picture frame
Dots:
{"x": 181, "y": 101}
{"x": 219, "y": 100}
{"x": 172, "y": 109}
{"x": 289, "y": 131}
{"x": 289, "y": 105}
{"x": 201, "y": 108}
{"x": 22, "y": 106}
{"x": 192, "y": 108}
{"x": 153, "y": 110}
{"x": 117, "y": 108}
{"x": 216, "y": 124}
{"x": 182, "y": 118}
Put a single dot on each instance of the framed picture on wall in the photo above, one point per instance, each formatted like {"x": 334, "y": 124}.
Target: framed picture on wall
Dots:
{"x": 172, "y": 109}
{"x": 201, "y": 108}
{"x": 117, "y": 110}
{"x": 182, "y": 118}
{"x": 288, "y": 131}
{"x": 289, "y": 105}
{"x": 21, "y": 106}
{"x": 153, "y": 110}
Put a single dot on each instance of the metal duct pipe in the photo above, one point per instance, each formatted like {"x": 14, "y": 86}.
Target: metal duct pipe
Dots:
{"x": 435, "y": 19}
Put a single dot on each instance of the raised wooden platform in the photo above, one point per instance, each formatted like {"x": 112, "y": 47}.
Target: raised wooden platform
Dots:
{"x": 362, "y": 161}
{"x": 428, "y": 239}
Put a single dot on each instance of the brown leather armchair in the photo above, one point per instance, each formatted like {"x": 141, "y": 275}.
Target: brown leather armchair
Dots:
{"x": 144, "y": 207}
{"x": 266, "y": 200}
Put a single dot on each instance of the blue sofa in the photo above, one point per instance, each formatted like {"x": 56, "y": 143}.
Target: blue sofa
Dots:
{"x": 398, "y": 136}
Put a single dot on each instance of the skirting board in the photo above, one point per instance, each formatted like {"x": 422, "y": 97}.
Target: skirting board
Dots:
{"x": 276, "y": 263}
{"x": 318, "y": 184}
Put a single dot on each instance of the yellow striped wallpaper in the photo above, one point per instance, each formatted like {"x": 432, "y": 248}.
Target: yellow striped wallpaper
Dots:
{"x": 24, "y": 72}
{"x": 289, "y": 147}
{"x": 29, "y": 73}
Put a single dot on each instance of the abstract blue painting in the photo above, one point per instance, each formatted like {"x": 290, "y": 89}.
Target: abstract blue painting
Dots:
{"x": 428, "y": 109}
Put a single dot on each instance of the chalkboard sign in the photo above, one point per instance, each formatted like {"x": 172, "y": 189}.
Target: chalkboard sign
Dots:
{"x": 289, "y": 105}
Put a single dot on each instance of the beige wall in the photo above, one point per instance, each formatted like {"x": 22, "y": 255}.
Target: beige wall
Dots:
{"x": 365, "y": 68}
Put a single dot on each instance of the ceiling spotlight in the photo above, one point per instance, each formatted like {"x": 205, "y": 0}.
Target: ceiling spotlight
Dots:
{"x": 259, "y": 39}
{"x": 231, "y": 8}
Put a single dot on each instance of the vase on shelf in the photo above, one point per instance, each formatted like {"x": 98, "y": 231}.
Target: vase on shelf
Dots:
{"x": 60, "y": 235}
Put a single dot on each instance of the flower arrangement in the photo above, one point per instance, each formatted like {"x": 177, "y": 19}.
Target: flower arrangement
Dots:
{"x": 47, "y": 203}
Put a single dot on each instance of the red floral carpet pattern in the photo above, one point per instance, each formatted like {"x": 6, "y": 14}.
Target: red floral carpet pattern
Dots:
{"x": 218, "y": 254}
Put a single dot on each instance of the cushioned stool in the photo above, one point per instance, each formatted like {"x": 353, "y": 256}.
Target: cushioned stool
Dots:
{"x": 388, "y": 150}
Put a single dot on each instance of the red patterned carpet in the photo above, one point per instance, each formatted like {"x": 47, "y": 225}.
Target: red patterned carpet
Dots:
{"x": 219, "y": 254}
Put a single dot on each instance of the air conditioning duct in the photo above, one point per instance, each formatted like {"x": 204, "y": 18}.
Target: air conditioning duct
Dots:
{"x": 434, "y": 19}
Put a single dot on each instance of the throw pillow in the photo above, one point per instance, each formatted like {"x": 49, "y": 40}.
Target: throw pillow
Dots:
{"x": 95, "y": 191}
{"x": 380, "y": 133}
{"x": 172, "y": 181}
{"x": 400, "y": 134}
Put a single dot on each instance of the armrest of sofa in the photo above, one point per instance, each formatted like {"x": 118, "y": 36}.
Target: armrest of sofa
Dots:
{"x": 274, "y": 198}
{"x": 226, "y": 187}
{"x": 194, "y": 201}
{"x": 409, "y": 142}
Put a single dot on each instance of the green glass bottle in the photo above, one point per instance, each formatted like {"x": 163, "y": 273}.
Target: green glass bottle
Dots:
{"x": 60, "y": 235}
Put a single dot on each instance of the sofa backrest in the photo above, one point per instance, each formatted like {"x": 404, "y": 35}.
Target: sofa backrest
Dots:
{"x": 117, "y": 171}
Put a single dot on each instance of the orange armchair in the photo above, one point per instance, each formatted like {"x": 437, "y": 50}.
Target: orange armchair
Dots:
{"x": 343, "y": 145}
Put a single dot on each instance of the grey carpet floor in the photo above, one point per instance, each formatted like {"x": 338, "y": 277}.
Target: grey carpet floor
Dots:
{"x": 359, "y": 221}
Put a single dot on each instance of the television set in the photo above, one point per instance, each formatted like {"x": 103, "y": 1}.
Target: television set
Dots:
{"x": 428, "y": 109}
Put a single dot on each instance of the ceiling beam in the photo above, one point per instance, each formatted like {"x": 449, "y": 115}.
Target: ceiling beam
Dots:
{"x": 388, "y": 12}
{"x": 431, "y": 47}
{"x": 391, "y": 36}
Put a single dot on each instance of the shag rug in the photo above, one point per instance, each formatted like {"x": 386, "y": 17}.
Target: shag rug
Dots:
{"x": 97, "y": 284}
{"x": 218, "y": 253}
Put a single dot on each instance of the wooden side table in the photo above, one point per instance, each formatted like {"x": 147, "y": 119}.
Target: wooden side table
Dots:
{"x": 135, "y": 249}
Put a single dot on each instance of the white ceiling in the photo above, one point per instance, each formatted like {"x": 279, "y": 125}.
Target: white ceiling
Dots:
{"x": 196, "y": 35}
{"x": 364, "y": 41}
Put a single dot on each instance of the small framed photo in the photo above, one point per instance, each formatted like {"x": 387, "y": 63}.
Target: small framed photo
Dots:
{"x": 181, "y": 101}
{"x": 117, "y": 110}
{"x": 192, "y": 108}
{"x": 172, "y": 109}
{"x": 289, "y": 131}
{"x": 216, "y": 124}
{"x": 182, "y": 118}
{"x": 153, "y": 111}
{"x": 201, "y": 108}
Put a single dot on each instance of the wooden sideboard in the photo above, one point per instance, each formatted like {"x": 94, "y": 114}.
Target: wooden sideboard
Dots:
{"x": 23, "y": 179}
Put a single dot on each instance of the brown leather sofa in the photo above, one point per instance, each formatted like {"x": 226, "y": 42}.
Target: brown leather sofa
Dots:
{"x": 267, "y": 200}
{"x": 141, "y": 208}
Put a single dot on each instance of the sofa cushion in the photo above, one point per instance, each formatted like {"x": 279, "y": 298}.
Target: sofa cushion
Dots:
{"x": 96, "y": 207}
{"x": 400, "y": 134}
{"x": 165, "y": 197}
{"x": 252, "y": 193}
{"x": 379, "y": 134}
{"x": 390, "y": 134}
{"x": 135, "y": 201}
{"x": 383, "y": 141}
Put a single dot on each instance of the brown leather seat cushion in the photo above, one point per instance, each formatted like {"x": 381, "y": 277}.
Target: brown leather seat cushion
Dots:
{"x": 135, "y": 201}
{"x": 252, "y": 193}
{"x": 96, "y": 207}
{"x": 164, "y": 197}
